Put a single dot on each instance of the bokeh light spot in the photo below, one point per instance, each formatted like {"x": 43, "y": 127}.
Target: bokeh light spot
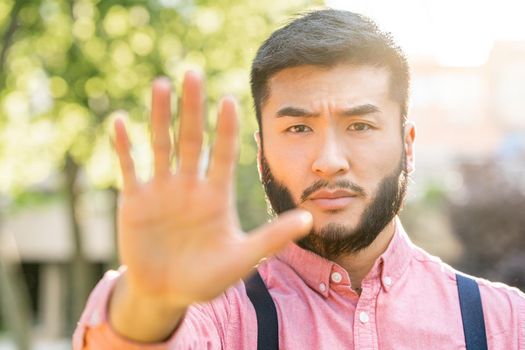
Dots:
{"x": 58, "y": 87}
{"x": 141, "y": 43}
{"x": 116, "y": 21}
{"x": 83, "y": 28}
{"x": 138, "y": 16}
{"x": 121, "y": 54}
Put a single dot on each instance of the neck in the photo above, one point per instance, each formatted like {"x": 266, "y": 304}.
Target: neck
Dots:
{"x": 359, "y": 264}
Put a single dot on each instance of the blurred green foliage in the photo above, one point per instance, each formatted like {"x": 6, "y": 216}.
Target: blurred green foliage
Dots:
{"x": 67, "y": 66}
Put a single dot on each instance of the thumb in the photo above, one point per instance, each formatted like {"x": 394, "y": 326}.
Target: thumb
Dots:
{"x": 273, "y": 236}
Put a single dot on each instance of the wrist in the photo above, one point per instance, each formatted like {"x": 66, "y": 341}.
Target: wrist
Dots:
{"x": 139, "y": 317}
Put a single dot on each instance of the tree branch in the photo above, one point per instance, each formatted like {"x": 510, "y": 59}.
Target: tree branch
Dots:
{"x": 9, "y": 33}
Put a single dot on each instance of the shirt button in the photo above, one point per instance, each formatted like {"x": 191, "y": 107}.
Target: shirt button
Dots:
{"x": 336, "y": 277}
{"x": 322, "y": 287}
{"x": 387, "y": 280}
{"x": 363, "y": 317}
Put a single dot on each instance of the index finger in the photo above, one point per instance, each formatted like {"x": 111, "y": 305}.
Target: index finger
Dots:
{"x": 191, "y": 124}
{"x": 222, "y": 162}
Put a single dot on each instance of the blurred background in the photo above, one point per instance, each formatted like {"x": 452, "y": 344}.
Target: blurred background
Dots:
{"x": 68, "y": 67}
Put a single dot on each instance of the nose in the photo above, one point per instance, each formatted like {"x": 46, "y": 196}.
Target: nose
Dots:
{"x": 331, "y": 159}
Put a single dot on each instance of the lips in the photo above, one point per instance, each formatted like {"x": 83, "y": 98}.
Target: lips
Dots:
{"x": 332, "y": 200}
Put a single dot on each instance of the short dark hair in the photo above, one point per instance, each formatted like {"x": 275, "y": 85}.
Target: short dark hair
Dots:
{"x": 326, "y": 38}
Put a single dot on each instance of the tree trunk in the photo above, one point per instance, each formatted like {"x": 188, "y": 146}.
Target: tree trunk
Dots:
{"x": 8, "y": 38}
{"x": 14, "y": 297}
{"x": 80, "y": 272}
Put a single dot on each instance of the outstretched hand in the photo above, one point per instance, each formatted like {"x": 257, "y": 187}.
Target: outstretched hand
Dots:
{"x": 179, "y": 233}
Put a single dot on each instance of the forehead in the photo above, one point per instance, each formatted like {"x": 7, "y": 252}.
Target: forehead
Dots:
{"x": 341, "y": 85}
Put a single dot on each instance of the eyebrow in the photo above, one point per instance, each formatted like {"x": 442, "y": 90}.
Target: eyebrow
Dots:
{"x": 290, "y": 111}
{"x": 360, "y": 110}
{"x": 295, "y": 112}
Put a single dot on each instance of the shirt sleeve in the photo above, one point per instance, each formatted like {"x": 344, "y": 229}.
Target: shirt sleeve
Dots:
{"x": 201, "y": 328}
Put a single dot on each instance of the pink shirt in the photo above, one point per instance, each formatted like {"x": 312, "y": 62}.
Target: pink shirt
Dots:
{"x": 409, "y": 300}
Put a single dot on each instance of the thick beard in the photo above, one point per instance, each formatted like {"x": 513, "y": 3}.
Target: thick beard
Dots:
{"x": 335, "y": 240}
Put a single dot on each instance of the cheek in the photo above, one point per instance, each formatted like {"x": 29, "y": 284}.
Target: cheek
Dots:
{"x": 281, "y": 154}
{"x": 289, "y": 165}
{"x": 372, "y": 161}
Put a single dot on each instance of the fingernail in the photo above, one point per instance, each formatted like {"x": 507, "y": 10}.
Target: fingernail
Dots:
{"x": 231, "y": 100}
{"x": 192, "y": 73}
{"x": 305, "y": 216}
{"x": 162, "y": 80}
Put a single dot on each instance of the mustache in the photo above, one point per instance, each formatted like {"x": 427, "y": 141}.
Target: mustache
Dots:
{"x": 340, "y": 184}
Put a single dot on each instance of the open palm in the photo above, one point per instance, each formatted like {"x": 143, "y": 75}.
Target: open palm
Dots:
{"x": 178, "y": 233}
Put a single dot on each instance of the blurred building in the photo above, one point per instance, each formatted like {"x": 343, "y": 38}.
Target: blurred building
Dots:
{"x": 467, "y": 113}
{"x": 40, "y": 238}
{"x": 465, "y": 117}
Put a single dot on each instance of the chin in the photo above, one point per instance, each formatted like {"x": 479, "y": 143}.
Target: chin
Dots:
{"x": 334, "y": 229}
{"x": 340, "y": 219}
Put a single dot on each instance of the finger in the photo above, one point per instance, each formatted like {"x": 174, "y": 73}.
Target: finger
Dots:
{"x": 191, "y": 124}
{"x": 224, "y": 154}
{"x": 160, "y": 122}
{"x": 123, "y": 146}
{"x": 274, "y": 236}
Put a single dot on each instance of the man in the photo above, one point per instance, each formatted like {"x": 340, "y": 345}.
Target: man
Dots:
{"x": 335, "y": 151}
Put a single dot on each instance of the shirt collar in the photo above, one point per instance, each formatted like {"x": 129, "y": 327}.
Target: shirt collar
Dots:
{"x": 393, "y": 263}
{"x": 313, "y": 269}
{"x": 316, "y": 270}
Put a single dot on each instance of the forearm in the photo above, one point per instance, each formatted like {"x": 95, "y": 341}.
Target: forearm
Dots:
{"x": 141, "y": 319}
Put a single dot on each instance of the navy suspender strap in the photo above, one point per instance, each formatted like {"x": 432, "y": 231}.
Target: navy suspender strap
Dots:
{"x": 268, "y": 325}
{"x": 471, "y": 313}
{"x": 267, "y": 322}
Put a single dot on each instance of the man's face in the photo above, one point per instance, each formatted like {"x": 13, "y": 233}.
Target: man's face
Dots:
{"x": 333, "y": 144}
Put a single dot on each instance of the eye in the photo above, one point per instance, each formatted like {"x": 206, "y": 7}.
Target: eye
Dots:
{"x": 298, "y": 129}
{"x": 359, "y": 127}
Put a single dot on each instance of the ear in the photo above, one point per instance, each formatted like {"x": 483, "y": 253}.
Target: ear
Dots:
{"x": 257, "y": 138}
{"x": 408, "y": 143}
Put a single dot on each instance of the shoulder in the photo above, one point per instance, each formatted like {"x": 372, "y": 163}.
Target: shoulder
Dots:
{"x": 499, "y": 298}
{"x": 429, "y": 264}
{"x": 503, "y": 309}
{"x": 500, "y": 301}
{"x": 492, "y": 289}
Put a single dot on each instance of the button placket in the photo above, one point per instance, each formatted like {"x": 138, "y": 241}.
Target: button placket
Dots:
{"x": 365, "y": 332}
